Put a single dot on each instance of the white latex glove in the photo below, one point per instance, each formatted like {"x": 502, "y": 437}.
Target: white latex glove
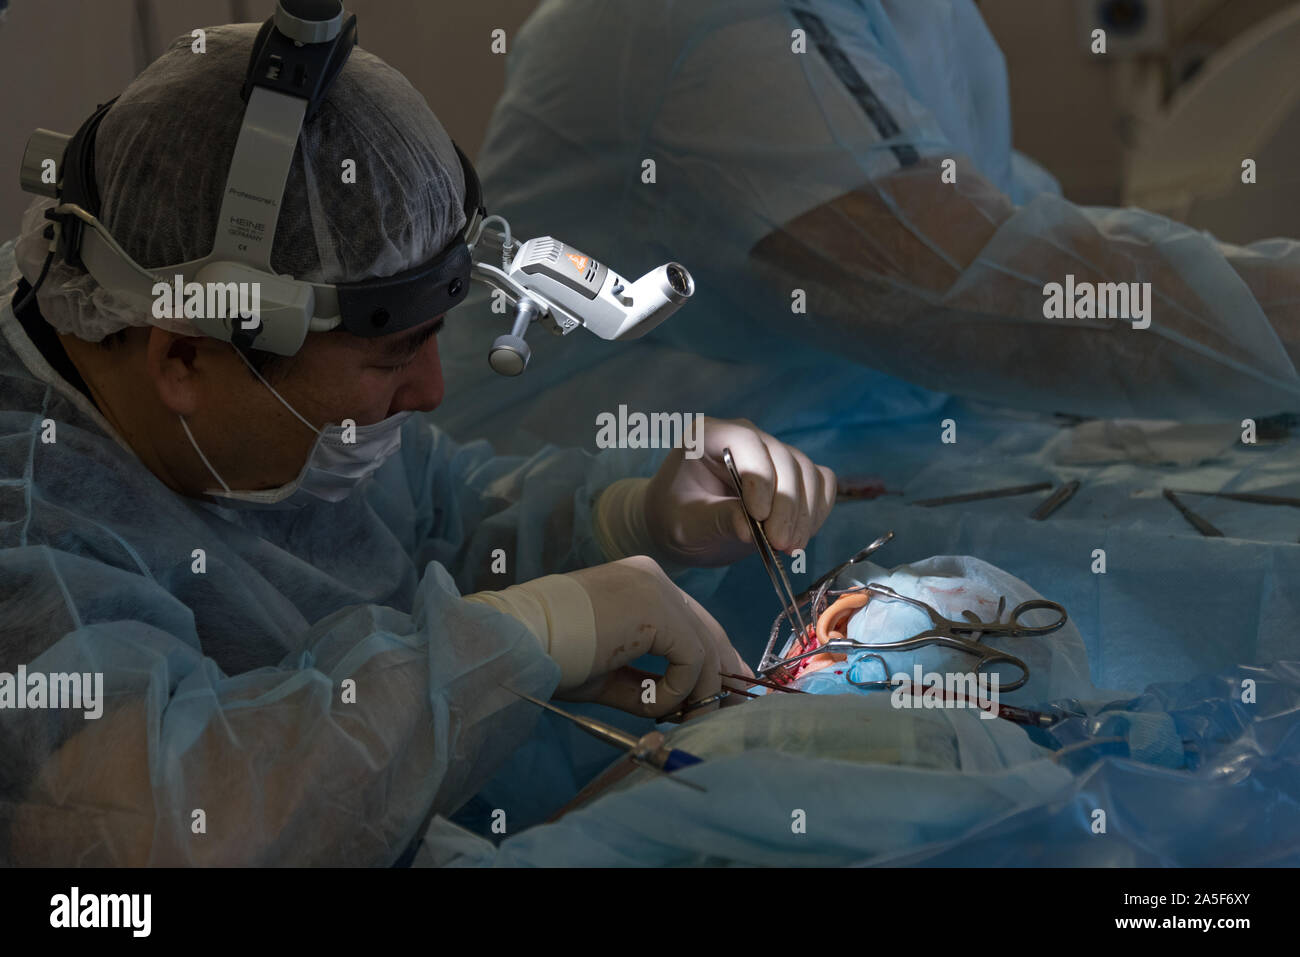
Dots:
{"x": 595, "y": 621}
{"x": 688, "y": 514}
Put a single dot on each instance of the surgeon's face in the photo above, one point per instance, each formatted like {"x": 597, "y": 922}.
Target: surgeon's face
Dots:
{"x": 251, "y": 439}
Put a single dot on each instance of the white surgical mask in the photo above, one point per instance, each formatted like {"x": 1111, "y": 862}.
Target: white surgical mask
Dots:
{"x": 334, "y": 467}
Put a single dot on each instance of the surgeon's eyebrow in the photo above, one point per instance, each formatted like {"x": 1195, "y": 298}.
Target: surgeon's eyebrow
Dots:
{"x": 401, "y": 347}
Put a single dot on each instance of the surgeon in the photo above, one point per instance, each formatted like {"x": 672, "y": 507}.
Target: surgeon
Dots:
{"x": 839, "y": 176}
{"x": 301, "y": 639}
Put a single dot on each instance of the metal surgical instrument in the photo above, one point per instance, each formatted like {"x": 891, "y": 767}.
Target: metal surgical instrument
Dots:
{"x": 1055, "y": 500}
{"x": 987, "y": 493}
{"x": 1255, "y": 498}
{"x": 649, "y": 750}
{"x": 1025, "y": 716}
{"x": 834, "y": 573}
{"x": 961, "y": 635}
{"x": 813, "y": 598}
{"x": 1198, "y": 523}
{"x": 681, "y": 713}
{"x": 760, "y": 683}
{"x": 775, "y": 571}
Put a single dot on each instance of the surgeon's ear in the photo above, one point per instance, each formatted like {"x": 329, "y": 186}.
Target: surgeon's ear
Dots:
{"x": 173, "y": 363}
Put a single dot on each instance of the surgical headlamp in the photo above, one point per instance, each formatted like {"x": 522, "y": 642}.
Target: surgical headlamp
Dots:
{"x": 296, "y": 57}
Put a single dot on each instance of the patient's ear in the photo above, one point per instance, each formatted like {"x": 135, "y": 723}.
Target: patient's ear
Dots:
{"x": 174, "y": 364}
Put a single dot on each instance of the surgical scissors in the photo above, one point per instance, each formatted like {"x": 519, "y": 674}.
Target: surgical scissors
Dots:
{"x": 962, "y": 635}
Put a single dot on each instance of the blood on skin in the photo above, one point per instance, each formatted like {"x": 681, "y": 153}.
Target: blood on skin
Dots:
{"x": 831, "y": 625}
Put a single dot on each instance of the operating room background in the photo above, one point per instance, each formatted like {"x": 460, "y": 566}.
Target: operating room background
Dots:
{"x": 1075, "y": 113}
{"x": 1086, "y": 118}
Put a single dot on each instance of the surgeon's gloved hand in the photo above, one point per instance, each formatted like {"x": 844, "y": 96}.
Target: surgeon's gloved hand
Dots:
{"x": 688, "y": 514}
{"x": 595, "y": 621}
{"x": 638, "y": 611}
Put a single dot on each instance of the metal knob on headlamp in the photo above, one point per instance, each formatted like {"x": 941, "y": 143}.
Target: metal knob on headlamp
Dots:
{"x": 309, "y": 21}
{"x": 44, "y": 147}
{"x": 510, "y": 354}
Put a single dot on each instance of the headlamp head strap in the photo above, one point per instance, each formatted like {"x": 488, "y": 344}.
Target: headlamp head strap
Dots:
{"x": 286, "y": 82}
{"x": 78, "y": 185}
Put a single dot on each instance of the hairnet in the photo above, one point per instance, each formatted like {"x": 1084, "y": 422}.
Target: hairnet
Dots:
{"x": 163, "y": 151}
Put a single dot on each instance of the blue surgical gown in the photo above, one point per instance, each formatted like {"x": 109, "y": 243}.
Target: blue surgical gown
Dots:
{"x": 279, "y": 687}
{"x": 703, "y": 132}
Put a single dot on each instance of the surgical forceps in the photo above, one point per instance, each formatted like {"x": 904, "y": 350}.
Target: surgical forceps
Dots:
{"x": 784, "y": 593}
{"x": 813, "y": 596}
{"x": 962, "y": 635}
{"x": 790, "y": 609}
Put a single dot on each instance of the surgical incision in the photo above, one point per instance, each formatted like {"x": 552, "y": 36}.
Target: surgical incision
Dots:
{"x": 831, "y": 625}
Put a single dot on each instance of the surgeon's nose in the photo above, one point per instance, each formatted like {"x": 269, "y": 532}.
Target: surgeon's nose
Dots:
{"x": 423, "y": 387}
